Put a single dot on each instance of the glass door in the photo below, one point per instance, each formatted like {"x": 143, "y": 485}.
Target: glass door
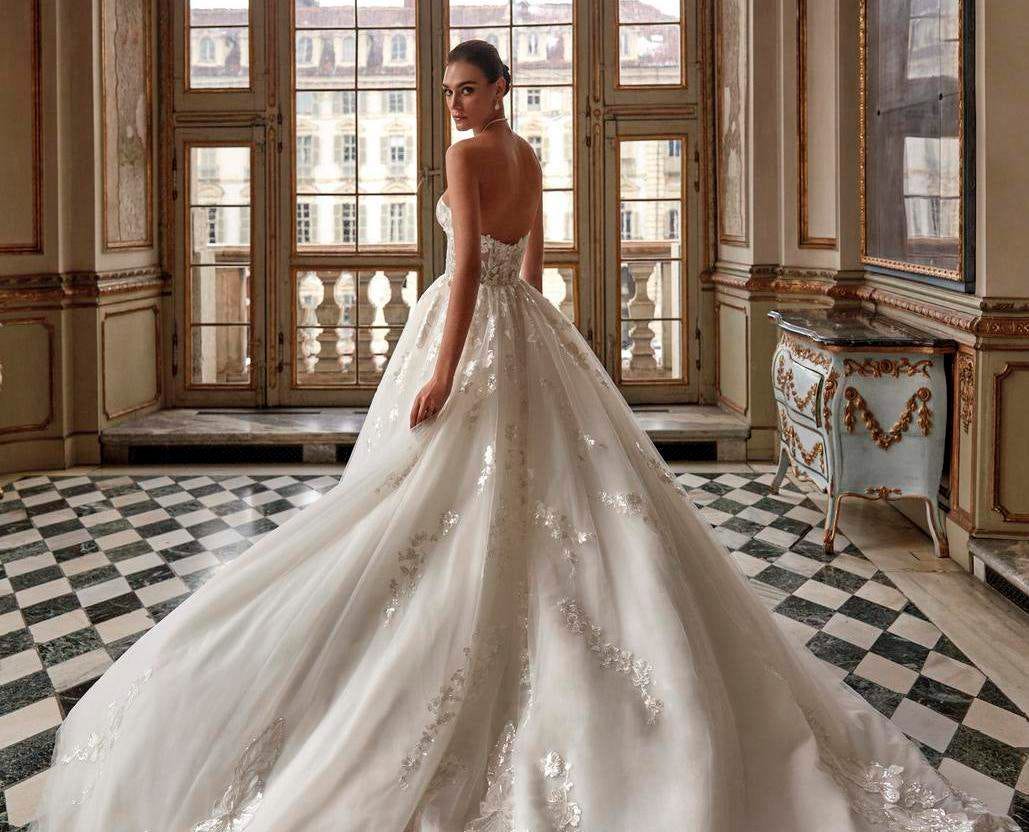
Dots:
{"x": 218, "y": 336}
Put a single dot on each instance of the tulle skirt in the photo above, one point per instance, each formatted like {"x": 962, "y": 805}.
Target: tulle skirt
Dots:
{"x": 507, "y": 618}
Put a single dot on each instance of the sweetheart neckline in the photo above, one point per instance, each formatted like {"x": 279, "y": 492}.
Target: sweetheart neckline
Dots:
{"x": 517, "y": 242}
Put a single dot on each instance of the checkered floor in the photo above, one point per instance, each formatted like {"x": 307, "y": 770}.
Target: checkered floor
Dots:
{"x": 88, "y": 563}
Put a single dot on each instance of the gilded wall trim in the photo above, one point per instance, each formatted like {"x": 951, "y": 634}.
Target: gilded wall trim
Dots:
{"x": 804, "y": 238}
{"x": 999, "y": 426}
{"x": 966, "y": 388}
{"x": 155, "y": 308}
{"x": 35, "y": 245}
{"x": 51, "y": 337}
{"x": 28, "y": 289}
{"x": 126, "y": 133}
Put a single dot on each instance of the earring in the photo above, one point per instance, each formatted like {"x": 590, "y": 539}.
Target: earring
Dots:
{"x": 496, "y": 105}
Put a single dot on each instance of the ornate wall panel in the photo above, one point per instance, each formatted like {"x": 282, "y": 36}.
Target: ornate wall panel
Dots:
{"x": 1011, "y": 442}
{"x": 126, "y": 35}
{"x": 731, "y": 90}
{"x": 27, "y": 353}
{"x": 732, "y": 333}
{"x": 21, "y": 172}
{"x": 130, "y": 352}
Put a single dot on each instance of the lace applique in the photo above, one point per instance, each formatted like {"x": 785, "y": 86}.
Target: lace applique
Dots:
{"x": 639, "y": 671}
{"x": 485, "y": 660}
{"x": 451, "y": 769}
{"x": 452, "y": 692}
{"x": 496, "y": 811}
{"x": 449, "y": 693}
{"x": 660, "y": 467}
{"x": 400, "y": 372}
{"x": 561, "y": 530}
{"x": 562, "y": 811}
{"x": 487, "y": 468}
{"x": 412, "y": 559}
{"x": 396, "y": 479}
{"x": 241, "y": 799}
{"x": 95, "y": 749}
{"x": 630, "y": 504}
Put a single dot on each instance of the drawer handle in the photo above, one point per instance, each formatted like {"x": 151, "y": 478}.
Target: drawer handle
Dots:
{"x": 784, "y": 378}
{"x": 884, "y": 439}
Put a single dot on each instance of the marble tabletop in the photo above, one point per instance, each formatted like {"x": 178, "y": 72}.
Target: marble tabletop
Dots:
{"x": 856, "y": 329}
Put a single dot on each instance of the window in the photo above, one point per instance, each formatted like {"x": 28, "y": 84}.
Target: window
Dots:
{"x": 304, "y": 216}
{"x": 217, "y": 286}
{"x": 397, "y": 148}
{"x": 345, "y": 221}
{"x": 652, "y": 264}
{"x": 305, "y": 51}
{"x": 532, "y": 45}
{"x": 305, "y": 156}
{"x": 397, "y": 222}
{"x": 206, "y": 51}
{"x": 650, "y": 44}
{"x": 674, "y": 148}
{"x": 398, "y": 50}
{"x": 532, "y": 98}
{"x": 395, "y": 101}
{"x": 218, "y": 44}
{"x": 536, "y": 143}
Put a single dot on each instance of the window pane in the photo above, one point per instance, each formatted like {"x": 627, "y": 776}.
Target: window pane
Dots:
{"x": 220, "y": 294}
{"x": 653, "y": 11}
{"x": 218, "y": 287}
{"x": 559, "y": 289}
{"x": 220, "y": 355}
{"x": 324, "y": 13}
{"x": 219, "y": 57}
{"x": 348, "y": 323}
{"x": 649, "y": 55}
{"x": 477, "y": 13}
{"x": 652, "y": 276}
{"x": 219, "y": 12}
{"x": 219, "y": 176}
{"x": 325, "y": 59}
{"x": 652, "y": 351}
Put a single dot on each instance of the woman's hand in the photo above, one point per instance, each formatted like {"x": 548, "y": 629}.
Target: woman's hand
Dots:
{"x": 430, "y": 399}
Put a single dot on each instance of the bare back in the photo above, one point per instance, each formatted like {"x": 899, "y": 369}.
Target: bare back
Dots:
{"x": 510, "y": 184}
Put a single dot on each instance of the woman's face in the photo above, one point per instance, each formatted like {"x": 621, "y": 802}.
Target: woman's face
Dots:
{"x": 468, "y": 95}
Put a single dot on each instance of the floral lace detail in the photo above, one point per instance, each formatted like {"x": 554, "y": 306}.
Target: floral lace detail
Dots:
{"x": 562, "y": 811}
{"x": 465, "y": 681}
{"x": 239, "y": 803}
{"x": 630, "y": 504}
{"x": 639, "y": 671}
{"x": 561, "y": 530}
{"x": 487, "y": 468}
{"x": 584, "y": 441}
{"x": 496, "y": 811}
{"x": 395, "y": 479}
{"x": 501, "y": 262}
{"x": 97, "y": 745}
{"x": 412, "y": 559}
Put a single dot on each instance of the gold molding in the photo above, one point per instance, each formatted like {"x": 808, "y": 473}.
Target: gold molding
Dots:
{"x": 831, "y": 382}
{"x": 794, "y": 446}
{"x": 1010, "y": 368}
{"x": 917, "y": 268}
{"x": 155, "y": 308}
{"x": 798, "y": 348}
{"x": 148, "y": 59}
{"x": 51, "y": 391}
{"x": 879, "y": 367}
{"x": 804, "y": 238}
{"x": 786, "y": 382}
{"x": 56, "y": 287}
{"x": 966, "y": 388}
{"x": 36, "y": 245}
{"x": 884, "y": 439}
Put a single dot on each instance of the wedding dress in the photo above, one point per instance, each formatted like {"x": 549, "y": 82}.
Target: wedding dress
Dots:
{"x": 508, "y": 618}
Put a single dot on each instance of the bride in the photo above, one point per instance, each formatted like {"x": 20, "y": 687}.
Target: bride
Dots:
{"x": 506, "y": 615}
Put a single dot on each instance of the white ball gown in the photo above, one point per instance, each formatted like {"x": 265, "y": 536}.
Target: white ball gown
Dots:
{"x": 508, "y": 618}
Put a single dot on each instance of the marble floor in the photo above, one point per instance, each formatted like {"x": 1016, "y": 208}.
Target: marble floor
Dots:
{"x": 91, "y": 558}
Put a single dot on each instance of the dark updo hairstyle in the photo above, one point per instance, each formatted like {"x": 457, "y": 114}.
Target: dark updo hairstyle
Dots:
{"x": 485, "y": 56}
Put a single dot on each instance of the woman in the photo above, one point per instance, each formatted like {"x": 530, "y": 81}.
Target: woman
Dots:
{"x": 506, "y": 616}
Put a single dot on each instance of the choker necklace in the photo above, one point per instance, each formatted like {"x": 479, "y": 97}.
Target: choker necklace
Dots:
{"x": 488, "y": 123}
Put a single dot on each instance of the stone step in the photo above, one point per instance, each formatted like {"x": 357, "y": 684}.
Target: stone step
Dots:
{"x": 1004, "y": 565}
{"x": 321, "y": 430}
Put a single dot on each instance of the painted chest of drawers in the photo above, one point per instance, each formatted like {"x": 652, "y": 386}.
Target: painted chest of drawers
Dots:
{"x": 861, "y": 403}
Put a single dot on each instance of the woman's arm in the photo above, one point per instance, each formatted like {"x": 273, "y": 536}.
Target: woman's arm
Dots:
{"x": 532, "y": 261}
{"x": 463, "y": 199}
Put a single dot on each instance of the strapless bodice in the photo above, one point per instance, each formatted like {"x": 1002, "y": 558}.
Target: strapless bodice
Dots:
{"x": 501, "y": 262}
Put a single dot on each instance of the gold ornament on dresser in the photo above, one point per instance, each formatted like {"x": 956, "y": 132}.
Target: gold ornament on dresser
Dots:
{"x": 834, "y": 375}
